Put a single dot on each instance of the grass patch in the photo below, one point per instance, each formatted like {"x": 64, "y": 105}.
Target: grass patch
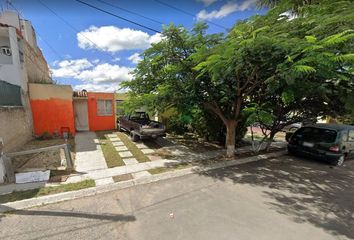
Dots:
{"x": 167, "y": 169}
{"x": 16, "y": 196}
{"x": 109, "y": 152}
{"x": 137, "y": 153}
{"x": 123, "y": 177}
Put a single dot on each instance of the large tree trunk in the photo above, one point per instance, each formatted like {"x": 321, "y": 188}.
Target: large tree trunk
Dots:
{"x": 230, "y": 137}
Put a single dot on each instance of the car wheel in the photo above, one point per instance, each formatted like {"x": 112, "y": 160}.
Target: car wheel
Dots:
{"x": 134, "y": 137}
{"x": 291, "y": 152}
{"x": 339, "y": 161}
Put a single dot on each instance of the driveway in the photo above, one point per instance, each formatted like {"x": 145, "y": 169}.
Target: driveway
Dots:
{"x": 284, "y": 198}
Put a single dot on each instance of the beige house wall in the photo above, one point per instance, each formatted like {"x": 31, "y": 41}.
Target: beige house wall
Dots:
{"x": 48, "y": 91}
{"x": 16, "y": 127}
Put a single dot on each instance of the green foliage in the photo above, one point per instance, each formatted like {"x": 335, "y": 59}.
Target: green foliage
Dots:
{"x": 270, "y": 69}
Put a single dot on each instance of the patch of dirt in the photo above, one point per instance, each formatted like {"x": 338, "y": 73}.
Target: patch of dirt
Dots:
{"x": 194, "y": 143}
{"x": 60, "y": 175}
{"x": 44, "y": 160}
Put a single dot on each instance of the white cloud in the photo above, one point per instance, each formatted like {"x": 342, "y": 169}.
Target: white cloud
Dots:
{"x": 71, "y": 68}
{"x": 226, "y": 10}
{"x": 135, "y": 58}
{"x": 91, "y": 87}
{"x": 116, "y": 59}
{"x": 207, "y": 2}
{"x": 106, "y": 73}
{"x": 155, "y": 38}
{"x": 114, "y": 39}
{"x": 95, "y": 76}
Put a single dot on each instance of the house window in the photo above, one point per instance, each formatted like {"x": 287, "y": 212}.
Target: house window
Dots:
{"x": 104, "y": 107}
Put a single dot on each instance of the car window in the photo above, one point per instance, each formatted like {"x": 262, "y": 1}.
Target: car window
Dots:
{"x": 313, "y": 134}
{"x": 351, "y": 136}
{"x": 138, "y": 115}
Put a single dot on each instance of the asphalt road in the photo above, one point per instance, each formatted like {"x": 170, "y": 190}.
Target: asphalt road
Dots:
{"x": 284, "y": 198}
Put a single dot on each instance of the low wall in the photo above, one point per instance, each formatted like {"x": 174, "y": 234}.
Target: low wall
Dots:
{"x": 52, "y": 108}
{"x": 16, "y": 125}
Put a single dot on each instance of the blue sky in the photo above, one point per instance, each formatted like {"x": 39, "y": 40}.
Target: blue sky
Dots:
{"x": 97, "y": 50}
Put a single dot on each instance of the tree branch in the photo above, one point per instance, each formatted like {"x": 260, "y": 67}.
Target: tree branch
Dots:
{"x": 216, "y": 109}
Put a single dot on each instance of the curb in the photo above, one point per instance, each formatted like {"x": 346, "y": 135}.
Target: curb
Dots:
{"x": 60, "y": 197}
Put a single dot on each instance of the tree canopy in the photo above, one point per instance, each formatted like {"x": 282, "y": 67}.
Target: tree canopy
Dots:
{"x": 275, "y": 69}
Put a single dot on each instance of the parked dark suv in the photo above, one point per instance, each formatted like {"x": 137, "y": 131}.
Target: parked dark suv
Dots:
{"x": 329, "y": 142}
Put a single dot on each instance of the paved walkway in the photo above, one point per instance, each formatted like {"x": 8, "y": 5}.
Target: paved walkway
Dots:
{"x": 110, "y": 172}
{"x": 89, "y": 155}
{"x": 91, "y": 164}
{"x": 128, "y": 159}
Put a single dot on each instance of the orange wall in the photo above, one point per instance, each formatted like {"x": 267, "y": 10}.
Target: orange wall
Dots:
{"x": 50, "y": 115}
{"x": 98, "y": 123}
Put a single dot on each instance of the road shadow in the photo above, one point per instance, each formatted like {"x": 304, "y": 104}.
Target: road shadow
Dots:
{"x": 70, "y": 214}
{"x": 305, "y": 190}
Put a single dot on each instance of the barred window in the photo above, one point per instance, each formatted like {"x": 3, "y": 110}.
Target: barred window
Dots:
{"x": 104, "y": 108}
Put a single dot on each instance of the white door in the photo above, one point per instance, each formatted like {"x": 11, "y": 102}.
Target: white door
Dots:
{"x": 81, "y": 115}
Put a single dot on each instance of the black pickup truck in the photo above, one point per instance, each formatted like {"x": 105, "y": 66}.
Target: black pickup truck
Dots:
{"x": 139, "y": 125}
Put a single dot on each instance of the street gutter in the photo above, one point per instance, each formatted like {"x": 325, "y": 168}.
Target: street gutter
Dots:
{"x": 60, "y": 197}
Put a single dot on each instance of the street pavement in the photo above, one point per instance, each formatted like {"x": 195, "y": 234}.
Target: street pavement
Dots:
{"x": 283, "y": 198}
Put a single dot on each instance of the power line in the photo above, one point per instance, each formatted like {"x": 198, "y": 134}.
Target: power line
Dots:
{"x": 49, "y": 46}
{"x": 131, "y": 12}
{"x": 114, "y": 15}
{"x": 188, "y": 13}
{"x": 75, "y": 29}
{"x": 24, "y": 52}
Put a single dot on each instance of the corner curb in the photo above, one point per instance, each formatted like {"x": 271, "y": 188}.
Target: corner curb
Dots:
{"x": 60, "y": 197}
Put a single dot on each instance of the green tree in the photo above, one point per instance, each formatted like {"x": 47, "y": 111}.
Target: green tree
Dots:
{"x": 284, "y": 69}
{"x": 316, "y": 78}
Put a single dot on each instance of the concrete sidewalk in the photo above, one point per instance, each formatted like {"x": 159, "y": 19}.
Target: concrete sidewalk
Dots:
{"x": 27, "y": 203}
{"x": 93, "y": 166}
{"x": 89, "y": 155}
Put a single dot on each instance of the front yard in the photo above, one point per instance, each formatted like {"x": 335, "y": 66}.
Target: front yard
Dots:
{"x": 45, "y": 160}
